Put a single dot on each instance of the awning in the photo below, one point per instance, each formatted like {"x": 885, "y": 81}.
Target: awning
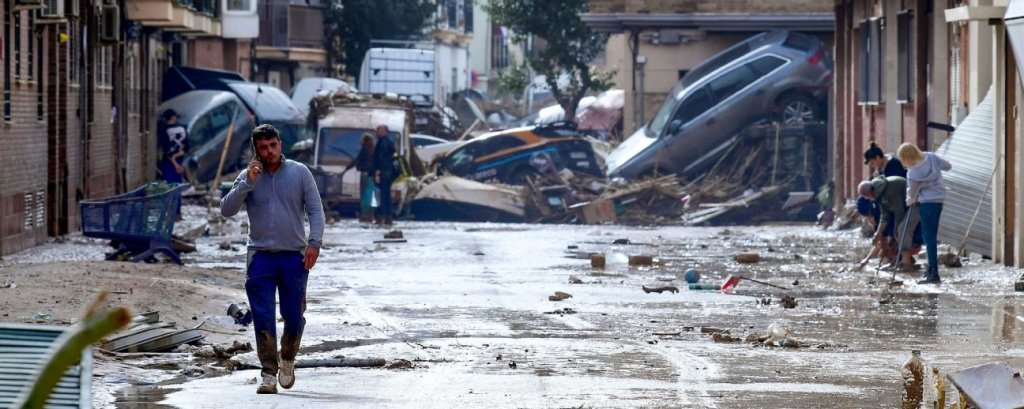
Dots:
{"x": 711, "y": 22}
{"x": 971, "y": 151}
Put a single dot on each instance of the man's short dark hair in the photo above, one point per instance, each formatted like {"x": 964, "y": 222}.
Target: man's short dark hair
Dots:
{"x": 168, "y": 114}
{"x": 265, "y": 131}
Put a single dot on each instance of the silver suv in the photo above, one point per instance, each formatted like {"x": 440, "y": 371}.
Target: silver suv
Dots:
{"x": 778, "y": 74}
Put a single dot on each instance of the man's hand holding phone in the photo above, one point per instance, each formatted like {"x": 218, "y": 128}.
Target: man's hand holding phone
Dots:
{"x": 255, "y": 169}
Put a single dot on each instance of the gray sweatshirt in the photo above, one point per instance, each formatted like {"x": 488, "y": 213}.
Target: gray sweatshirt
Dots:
{"x": 276, "y": 203}
{"x": 924, "y": 180}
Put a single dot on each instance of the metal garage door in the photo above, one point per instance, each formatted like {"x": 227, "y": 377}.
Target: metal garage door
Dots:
{"x": 971, "y": 150}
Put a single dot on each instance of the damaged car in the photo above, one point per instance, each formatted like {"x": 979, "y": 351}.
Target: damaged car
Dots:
{"x": 782, "y": 76}
{"x": 511, "y": 156}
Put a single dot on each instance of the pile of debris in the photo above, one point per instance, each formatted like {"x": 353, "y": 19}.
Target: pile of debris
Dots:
{"x": 147, "y": 333}
{"x": 746, "y": 183}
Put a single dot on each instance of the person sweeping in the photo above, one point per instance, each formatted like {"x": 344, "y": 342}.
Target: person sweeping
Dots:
{"x": 278, "y": 194}
{"x": 925, "y": 189}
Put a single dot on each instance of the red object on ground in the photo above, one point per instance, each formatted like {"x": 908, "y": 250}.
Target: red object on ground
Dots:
{"x": 730, "y": 284}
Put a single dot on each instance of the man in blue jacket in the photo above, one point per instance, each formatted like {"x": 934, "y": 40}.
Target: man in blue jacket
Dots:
{"x": 385, "y": 170}
{"x": 278, "y": 194}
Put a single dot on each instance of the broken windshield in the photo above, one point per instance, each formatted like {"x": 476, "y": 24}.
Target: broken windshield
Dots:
{"x": 665, "y": 113}
{"x": 339, "y": 146}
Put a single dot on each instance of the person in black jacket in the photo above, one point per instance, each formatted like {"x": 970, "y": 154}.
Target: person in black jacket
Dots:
{"x": 385, "y": 170}
{"x": 364, "y": 164}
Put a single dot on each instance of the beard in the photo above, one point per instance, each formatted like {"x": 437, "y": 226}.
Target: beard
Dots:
{"x": 270, "y": 158}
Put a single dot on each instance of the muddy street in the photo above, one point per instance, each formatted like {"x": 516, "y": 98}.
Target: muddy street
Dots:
{"x": 467, "y": 306}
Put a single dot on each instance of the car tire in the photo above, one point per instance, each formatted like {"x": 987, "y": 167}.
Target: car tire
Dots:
{"x": 799, "y": 108}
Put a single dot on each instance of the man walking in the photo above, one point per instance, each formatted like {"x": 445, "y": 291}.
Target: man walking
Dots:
{"x": 277, "y": 193}
{"x": 385, "y": 172}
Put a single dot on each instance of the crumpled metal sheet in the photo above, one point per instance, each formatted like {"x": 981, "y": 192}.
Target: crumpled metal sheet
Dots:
{"x": 995, "y": 385}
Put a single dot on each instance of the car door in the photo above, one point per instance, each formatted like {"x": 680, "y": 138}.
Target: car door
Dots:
{"x": 686, "y": 129}
{"x": 736, "y": 104}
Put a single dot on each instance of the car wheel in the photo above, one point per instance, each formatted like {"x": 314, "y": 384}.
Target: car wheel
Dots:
{"x": 798, "y": 108}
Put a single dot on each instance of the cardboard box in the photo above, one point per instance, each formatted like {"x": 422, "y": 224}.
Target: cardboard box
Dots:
{"x": 598, "y": 212}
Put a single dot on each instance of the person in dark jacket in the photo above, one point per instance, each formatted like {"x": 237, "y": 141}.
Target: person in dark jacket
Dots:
{"x": 881, "y": 165}
{"x": 890, "y": 195}
{"x": 364, "y": 164}
{"x": 385, "y": 170}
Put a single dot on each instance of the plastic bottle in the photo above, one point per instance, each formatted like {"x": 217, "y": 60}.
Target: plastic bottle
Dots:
{"x": 913, "y": 381}
{"x": 704, "y": 286}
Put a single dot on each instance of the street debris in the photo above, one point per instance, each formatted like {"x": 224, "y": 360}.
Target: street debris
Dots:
{"x": 575, "y": 280}
{"x": 563, "y": 311}
{"x": 993, "y": 385}
{"x": 8, "y": 284}
{"x": 394, "y": 234}
{"x": 401, "y": 364}
{"x": 691, "y": 276}
{"x": 240, "y": 313}
{"x": 559, "y": 296}
{"x": 340, "y": 362}
{"x": 913, "y": 380}
{"x": 724, "y": 338}
{"x": 597, "y": 261}
{"x": 659, "y": 290}
{"x": 641, "y": 260}
{"x": 621, "y": 241}
{"x": 748, "y": 258}
{"x": 147, "y": 334}
{"x": 788, "y": 301}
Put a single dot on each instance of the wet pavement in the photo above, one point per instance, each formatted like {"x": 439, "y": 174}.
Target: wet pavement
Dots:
{"x": 467, "y": 305}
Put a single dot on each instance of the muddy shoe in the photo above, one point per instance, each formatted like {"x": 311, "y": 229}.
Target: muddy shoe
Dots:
{"x": 269, "y": 385}
{"x": 934, "y": 280}
{"x": 287, "y": 374}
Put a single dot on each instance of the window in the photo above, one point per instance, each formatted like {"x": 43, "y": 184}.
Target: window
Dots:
{"x": 497, "y": 144}
{"x": 17, "y": 44}
{"x": 30, "y": 55}
{"x": 765, "y": 65}
{"x": 461, "y": 160}
{"x": 210, "y": 124}
{"x": 905, "y": 56}
{"x": 869, "y": 86}
{"x": 468, "y": 9}
{"x": 104, "y": 66}
{"x": 246, "y": 6}
{"x": 732, "y": 82}
{"x": 340, "y": 146}
{"x": 693, "y": 106}
{"x": 801, "y": 42}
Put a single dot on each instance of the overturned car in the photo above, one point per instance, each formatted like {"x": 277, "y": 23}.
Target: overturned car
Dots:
{"x": 511, "y": 156}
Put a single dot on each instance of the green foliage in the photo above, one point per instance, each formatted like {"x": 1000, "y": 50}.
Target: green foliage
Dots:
{"x": 351, "y": 24}
{"x": 514, "y": 80}
{"x": 570, "y": 46}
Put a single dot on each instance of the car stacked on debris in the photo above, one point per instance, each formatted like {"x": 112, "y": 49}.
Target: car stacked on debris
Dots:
{"x": 511, "y": 156}
{"x": 778, "y": 75}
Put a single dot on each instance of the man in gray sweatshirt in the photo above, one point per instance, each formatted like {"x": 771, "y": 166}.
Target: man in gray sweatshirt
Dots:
{"x": 278, "y": 195}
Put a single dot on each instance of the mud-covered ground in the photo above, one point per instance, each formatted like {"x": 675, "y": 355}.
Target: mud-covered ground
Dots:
{"x": 467, "y": 305}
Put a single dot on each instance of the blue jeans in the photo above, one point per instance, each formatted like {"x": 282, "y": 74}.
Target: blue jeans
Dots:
{"x": 268, "y": 274}
{"x": 930, "y": 213}
{"x": 366, "y": 187}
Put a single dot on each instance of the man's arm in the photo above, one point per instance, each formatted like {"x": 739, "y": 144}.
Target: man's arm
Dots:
{"x": 314, "y": 209}
{"x": 232, "y": 202}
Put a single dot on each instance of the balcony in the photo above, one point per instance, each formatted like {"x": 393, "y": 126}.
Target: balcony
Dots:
{"x": 289, "y": 31}
{"x": 187, "y": 16}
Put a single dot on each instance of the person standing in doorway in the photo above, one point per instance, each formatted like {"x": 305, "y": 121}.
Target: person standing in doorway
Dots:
{"x": 173, "y": 142}
{"x": 925, "y": 189}
{"x": 278, "y": 195}
{"x": 364, "y": 164}
{"x": 385, "y": 171}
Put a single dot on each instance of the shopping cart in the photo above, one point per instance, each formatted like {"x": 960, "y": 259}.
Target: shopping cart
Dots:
{"x": 139, "y": 223}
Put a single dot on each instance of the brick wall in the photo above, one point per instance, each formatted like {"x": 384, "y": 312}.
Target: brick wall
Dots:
{"x": 706, "y": 6}
{"x": 23, "y": 157}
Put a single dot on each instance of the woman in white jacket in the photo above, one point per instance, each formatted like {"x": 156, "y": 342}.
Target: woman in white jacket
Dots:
{"x": 925, "y": 189}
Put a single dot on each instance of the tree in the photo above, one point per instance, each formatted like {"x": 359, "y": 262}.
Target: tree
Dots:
{"x": 570, "y": 45}
{"x": 351, "y": 24}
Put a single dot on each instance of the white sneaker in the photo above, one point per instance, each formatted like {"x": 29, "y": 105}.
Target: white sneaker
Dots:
{"x": 287, "y": 374}
{"x": 269, "y": 385}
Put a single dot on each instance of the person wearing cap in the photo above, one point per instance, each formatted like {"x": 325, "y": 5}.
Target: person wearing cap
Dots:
{"x": 890, "y": 195}
{"x": 925, "y": 189}
{"x": 173, "y": 141}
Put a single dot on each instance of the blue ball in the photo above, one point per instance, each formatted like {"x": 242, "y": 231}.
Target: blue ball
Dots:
{"x": 691, "y": 276}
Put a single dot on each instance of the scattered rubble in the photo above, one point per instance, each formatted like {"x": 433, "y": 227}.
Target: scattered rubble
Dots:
{"x": 394, "y": 234}
{"x": 575, "y": 280}
{"x": 788, "y": 301}
{"x": 641, "y": 260}
{"x": 563, "y": 311}
{"x": 597, "y": 260}
{"x": 748, "y": 258}
{"x": 559, "y": 296}
{"x": 670, "y": 288}
{"x": 401, "y": 364}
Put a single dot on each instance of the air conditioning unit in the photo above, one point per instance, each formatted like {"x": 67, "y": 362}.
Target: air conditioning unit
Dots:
{"x": 110, "y": 25}
{"x": 54, "y": 10}
{"x": 28, "y": 4}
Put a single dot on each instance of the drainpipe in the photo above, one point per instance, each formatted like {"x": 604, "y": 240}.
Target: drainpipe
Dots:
{"x": 634, "y": 38}
{"x": 641, "y": 61}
